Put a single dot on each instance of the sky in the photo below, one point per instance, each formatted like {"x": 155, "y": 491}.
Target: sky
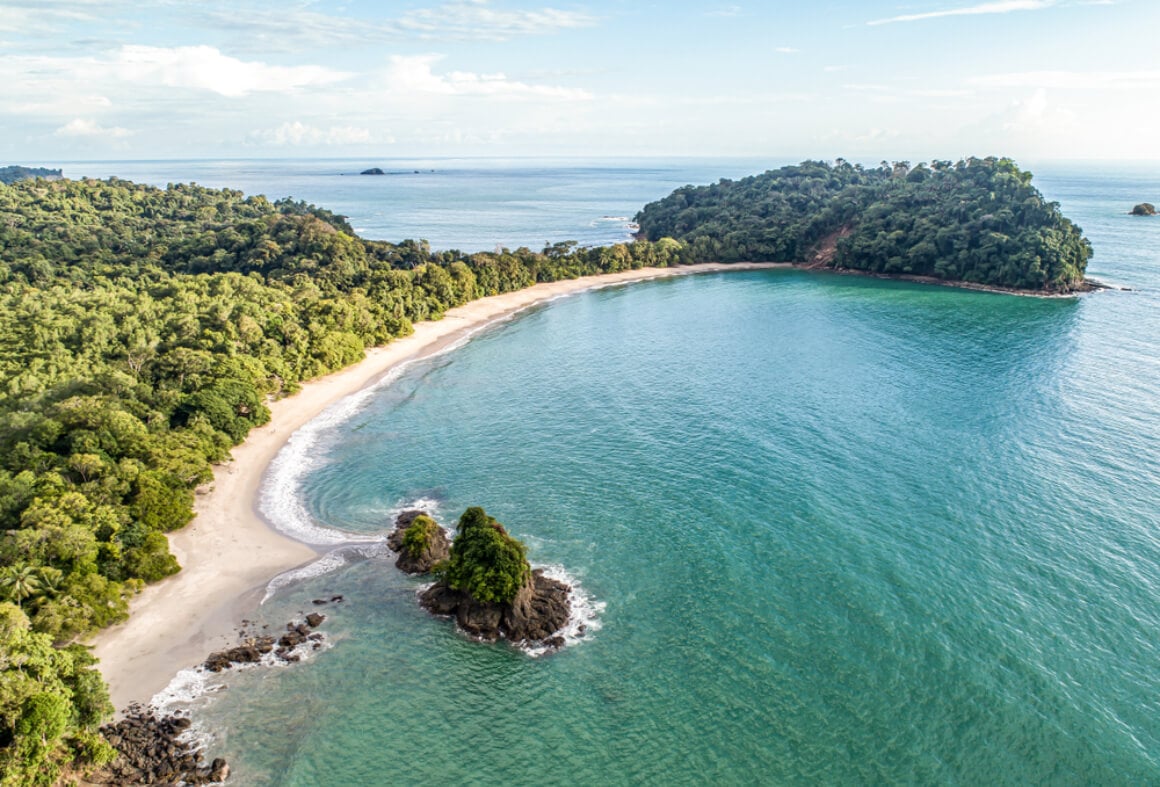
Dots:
{"x": 895, "y": 79}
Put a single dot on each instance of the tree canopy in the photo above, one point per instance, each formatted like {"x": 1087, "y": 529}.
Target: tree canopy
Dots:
{"x": 485, "y": 561}
{"x": 979, "y": 220}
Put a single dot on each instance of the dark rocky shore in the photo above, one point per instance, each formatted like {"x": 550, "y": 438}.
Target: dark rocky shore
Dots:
{"x": 253, "y": 648}
{"x": 539, "y": 610}
{"x": 149, "y": 747}
{"x": 151, "y": 752}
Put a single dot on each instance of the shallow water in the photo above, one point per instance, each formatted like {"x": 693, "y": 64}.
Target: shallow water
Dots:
{"x": 831, "y": 528}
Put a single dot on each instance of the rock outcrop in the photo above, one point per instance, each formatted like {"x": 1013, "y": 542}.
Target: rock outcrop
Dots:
{"x": 372, "y": 171}
{"x": 149, "y": 747}
{"x": 150, "y": 751}
{"x": 253, "y": 648}
{"x": 419, "y": 542}
{"x": 534, "y": 617}
{"x": 1144, "y": 209}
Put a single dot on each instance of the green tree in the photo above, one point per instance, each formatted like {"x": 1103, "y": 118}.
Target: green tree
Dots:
{"x": 485, "y": 561}
{"x": 19, "y": 582}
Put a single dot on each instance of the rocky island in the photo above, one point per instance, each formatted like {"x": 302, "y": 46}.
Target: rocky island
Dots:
{"x": 485, "y": 581}
{"x": 419, "y": 542}
{"x": 1144, "y": 209}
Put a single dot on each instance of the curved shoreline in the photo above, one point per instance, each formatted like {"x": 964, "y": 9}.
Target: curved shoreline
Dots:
{"x": 229, "y": 552}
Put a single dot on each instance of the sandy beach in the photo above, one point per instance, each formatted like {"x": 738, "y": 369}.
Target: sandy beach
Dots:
{"x": 229, "y": 553}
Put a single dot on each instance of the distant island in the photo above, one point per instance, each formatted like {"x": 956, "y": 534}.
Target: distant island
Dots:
{"x": 1144, "y": 209}
{"x": 978, "y": 221}
{"x": 11, "y": 174}
{"x": 381, "y": 171}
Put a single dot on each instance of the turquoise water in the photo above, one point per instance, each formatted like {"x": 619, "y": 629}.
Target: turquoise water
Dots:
{"x": 833, "y": 529}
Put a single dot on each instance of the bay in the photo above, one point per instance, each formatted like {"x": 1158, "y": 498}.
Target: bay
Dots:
{"x": 828, "y": 528}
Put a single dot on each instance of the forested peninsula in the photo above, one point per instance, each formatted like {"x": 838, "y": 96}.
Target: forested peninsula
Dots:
{"x": 978, "y": 221}
{"x": 144, "y": 330}
{"x": 13, "y": 173}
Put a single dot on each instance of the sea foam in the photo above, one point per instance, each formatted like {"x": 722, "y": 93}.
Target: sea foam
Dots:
{"x": 280, "y": 501}
{"x": 330, "y": 562}
{"x": 586, "y": 611}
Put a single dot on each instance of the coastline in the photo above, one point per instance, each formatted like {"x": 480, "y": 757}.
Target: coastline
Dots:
{"x": 228, "y": 553}
{"x": 1087, "y": 286}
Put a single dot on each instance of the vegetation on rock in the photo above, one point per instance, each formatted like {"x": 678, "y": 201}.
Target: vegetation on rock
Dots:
{"x": 978, "y": 221}
{"x": 486, "y": 562}
{"x": 487, "y": 585}
{"x": 419, "y": 534}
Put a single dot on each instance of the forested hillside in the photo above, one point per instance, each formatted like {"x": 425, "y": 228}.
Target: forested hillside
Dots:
{"x": 142, "y": 333}
{"x": 978, "y": 221}
{"x": 13, "y": 173}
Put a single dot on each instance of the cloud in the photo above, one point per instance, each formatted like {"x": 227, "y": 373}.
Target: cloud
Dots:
{"x": 1071, "y": 80}
{"x": 475, "y": 19}
{"x": 298, "y": 133}
{"x": 996, "y": 7}
{"x": 291, "y": 29}
{"x": 205, "y": 68}
{"x": 88, "y": 128}
{"x": 19, "y": 15}
{"x": 414, "y": 75}
{"x": 729, "y": 10}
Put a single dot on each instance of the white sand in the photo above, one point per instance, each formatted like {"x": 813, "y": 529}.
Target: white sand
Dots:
{"x": 229, "y": 553}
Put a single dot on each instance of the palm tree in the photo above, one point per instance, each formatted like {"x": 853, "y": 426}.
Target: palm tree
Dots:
{"x": 50, "y": 584}
{"x": 19, "y": 582}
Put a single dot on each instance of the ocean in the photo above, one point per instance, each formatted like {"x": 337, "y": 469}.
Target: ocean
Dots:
{"x": 466, "y": 204}
{"x": 821, "y": 528}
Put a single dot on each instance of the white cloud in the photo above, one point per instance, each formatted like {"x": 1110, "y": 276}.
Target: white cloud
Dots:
{"x": 43, "y": 16}
{"x": 475, "y": 19}
{"x": 1072, "y": 80}
{"x": 205, "y": 68}
{"x": 291, "y": 29}
{"x": 414, "y": 75}
{"x": 49, "y": 84}
{"x": 996, "y": 7}
{"x": 298, "y": 133}
{"x": 729, "y": 10}
{"x": 81, "y": 127}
